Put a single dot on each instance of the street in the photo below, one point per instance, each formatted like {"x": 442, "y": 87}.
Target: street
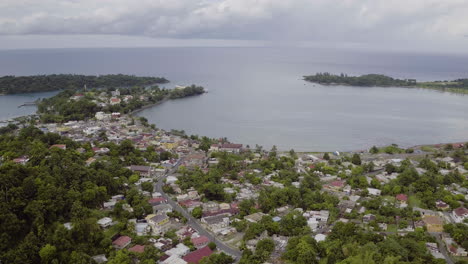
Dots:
{"x": 193, "y": 221}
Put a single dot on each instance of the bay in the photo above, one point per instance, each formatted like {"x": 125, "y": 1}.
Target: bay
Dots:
{"x": 256, "y": 95}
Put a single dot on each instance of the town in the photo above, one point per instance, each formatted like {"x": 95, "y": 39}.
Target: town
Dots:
{"x": 174, "y": 198}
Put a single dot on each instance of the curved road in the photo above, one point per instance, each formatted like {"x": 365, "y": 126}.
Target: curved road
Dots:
{"x": 192, "y": 221}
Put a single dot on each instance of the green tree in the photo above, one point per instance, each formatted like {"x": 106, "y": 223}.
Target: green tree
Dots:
{"x": 356, "y": 159}
{"x": 197, "y": 212}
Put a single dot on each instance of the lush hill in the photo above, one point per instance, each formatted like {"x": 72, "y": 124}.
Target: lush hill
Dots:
{"x": 363, "y": 80}
{"x": 43, "y": 83}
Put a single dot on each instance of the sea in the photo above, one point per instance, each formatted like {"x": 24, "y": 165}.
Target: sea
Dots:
{"x": 257, "y": 95}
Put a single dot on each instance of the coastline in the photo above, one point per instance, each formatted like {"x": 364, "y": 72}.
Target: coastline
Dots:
{"x": 148, "y": 106}
{"x": 458, "y": 91}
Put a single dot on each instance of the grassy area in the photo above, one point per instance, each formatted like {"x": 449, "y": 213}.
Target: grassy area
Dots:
{"x": 428, "y": 149}
{"x": 414, "y": 201}
{"x": 392, "y": 228}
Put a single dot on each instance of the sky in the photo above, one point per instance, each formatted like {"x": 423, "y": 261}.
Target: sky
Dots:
{"x": 421, "y": 25}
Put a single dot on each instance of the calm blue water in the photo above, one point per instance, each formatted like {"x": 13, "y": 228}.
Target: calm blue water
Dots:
{"x": 256, "y": 95}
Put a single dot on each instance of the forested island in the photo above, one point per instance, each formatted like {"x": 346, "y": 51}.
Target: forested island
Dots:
{"x": 380, "y": 80}
{"x": 54, "y": 82}
{"x": 73, "y": 104}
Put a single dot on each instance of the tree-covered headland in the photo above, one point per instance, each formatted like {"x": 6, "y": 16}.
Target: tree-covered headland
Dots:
{"x": 55, "y": 82}
{"x": 380, "y": 80}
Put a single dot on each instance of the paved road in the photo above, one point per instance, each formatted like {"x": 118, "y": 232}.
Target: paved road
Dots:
{"x": 192, "y": 221}
{"x": 442, "y": 248}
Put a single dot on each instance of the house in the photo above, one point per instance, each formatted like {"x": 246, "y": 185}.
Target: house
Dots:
{"x": 337, "y": 185}
{"x": 137, "y": 249}
{"x": 196, "y": 256}
{"x": 105, "y": 222}
{"x": 255, "y": 217}
{"x": 141, "y": 229}
{"x": 200, "y": 241}
{"x": 216, "y": 222}
{"x": 441, "y": 205}
{"x": 163, "y": 244}
{"x": 402, "y": 198}
{"x": 368, "y": 217}
{"x": 171, "y": 179}
{"x": 114, "y": 101}
{"x": 121, "y": 242}
{"x": 158, "y": 223}
{"x": 460, "y": 214}
{"x": 162, "y": 209}
{"x": 374, "y": 192}
{"x": 145, "y": 171}
{"x": 433, "y": 223}
{"x": 102, "y": 116}
{"x": 157, "y": 201}
{"x": 99, "y": 258}
{"x": 180, "y": 250}
{"x": 174, "y": 259}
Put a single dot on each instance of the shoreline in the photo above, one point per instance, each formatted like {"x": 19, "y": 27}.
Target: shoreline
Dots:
{"x": 458, "y": 91}
{"x": 148, "y": 106}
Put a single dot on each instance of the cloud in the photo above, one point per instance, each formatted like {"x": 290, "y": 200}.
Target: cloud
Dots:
{"x": 277, "y": 20}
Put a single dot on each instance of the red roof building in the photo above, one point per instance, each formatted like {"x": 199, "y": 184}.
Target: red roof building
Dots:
{"x": 402, "y": 197}
{"x": 196, "y": 256}
{"x": 137, "y": 249}
{"x": 157, "y": 201}
{"x": 200, "y": 241}
{"x": 122, "y": 242}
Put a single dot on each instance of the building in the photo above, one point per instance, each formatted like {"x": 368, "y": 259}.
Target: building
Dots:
{"x": 216, "y": 222}
{"x": 196, "y": 256}
{"x": 374, "y": 192}
{"x": 200, "y": 241}
{"x": 145, "y": 171}
{"x": 402, "y": 198}
{"x": 180, "y": 250}
{"x": 158, "y": 223}
{"x": 137, "y": 249}
{"x": 121, "y": 242}
{"x": 255, "y": 217}
{"x": 174, "y": 260}
{"x": 433, "y": 223}
{"x": 441, "y": 205}
{"x": 105, "y": 222}
{"x": 460, "y": 214}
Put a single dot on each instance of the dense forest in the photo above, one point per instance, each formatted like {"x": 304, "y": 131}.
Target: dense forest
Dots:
{"x": 43, "y": 83}
{"x": 56, "y": 187}
{"x": 363, "y": 80}
{"x": 187, "y": 91}
{"x": 379, "y": 80}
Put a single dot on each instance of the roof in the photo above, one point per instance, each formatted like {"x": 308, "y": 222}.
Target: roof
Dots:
{"x": 158, "y": 218}
{"x": 337, "y": 183}
{"x": 156, "y": 200}
{"x": 121, "y": 241}
{"x": 235, "y": 146}
{"x": 432, "y": 220}
{"x": 140, "y": 168}
{"x": 461, "y": 211}
{"x": 200, "y": 240}
{"x": 137, "y": 249}
{"x": 402, "y": 197}
{"x": 197, "y": 255}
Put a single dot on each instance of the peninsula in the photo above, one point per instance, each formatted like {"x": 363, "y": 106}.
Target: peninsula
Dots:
{"x": 380, "y": 80}
{"x": 54, "y": 82}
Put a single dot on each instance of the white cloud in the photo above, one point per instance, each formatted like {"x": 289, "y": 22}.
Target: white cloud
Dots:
{"x": 309, "y": 20}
